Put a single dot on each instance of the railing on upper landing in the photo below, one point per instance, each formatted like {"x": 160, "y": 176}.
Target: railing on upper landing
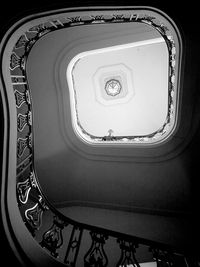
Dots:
{"x": 70, "y": 242}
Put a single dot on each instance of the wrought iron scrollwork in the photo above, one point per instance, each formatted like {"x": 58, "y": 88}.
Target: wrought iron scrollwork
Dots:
{"x": 21, "y": 41}
{"x": 38, "y": 28}
{"x": 97, "y": 18}
{"x": 17, "y": 62}
{"x": 128, "y": 250}
{"x": 75, "y": 19}
{"x": 22, "y": 144}
{"x": 53, "y": 238}
{"x": 73, "y": 246}
{"x": 14, "y": 61}
{"x": 33, "y": 215}
{"x": 23, "y": 188}
{"x": 96, "y": 256}
{"x": 23, "y": 120}
{"x": 22, "y": 98}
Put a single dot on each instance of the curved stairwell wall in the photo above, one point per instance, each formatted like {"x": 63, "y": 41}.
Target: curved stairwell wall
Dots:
{"x": 154, "y": 179}
{"x": 25, "y": 210}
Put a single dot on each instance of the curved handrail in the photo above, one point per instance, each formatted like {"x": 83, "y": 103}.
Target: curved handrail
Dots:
{"x": 33, "y": 204}
{"x": 161, "y": 251}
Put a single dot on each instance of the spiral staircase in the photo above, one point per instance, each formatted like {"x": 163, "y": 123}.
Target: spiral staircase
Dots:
{"x": 38, "y": 233}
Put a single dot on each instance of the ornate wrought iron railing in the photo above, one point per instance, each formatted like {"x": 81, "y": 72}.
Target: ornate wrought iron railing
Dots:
{"x": 63, "y": 237}
{"x": 71, "y": 242}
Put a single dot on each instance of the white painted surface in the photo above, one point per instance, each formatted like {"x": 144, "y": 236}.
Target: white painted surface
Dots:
{"x": 145, "y": 78}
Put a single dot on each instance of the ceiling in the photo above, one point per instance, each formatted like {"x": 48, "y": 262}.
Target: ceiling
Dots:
{"x": 141, "y": 105}
{"x": 71, "y": 171}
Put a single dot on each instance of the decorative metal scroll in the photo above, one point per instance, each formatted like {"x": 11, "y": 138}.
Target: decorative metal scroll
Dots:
{"x": 33, "y": 215}
{"x": 53, "y": 239}
{"x": 22, "y": 144}
{"x": 96, "y": 256}
{"x": 73, "y": 247}
{"x": 128, "y": 250}
{"x": 21, "y": 41}
{"x": 22, "y": 98}
{"x": 17, "y": 62}
{"x": 23, "y": 120}
{"x": 23, "y": 188}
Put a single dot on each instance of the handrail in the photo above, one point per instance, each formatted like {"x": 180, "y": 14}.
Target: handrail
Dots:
{"x": 33, "y": 204}
{"x": 160, "y": 251}
{"x": 128, "y": 243}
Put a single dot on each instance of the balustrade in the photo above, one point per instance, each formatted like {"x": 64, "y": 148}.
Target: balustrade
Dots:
{"x": 33, "y": 204}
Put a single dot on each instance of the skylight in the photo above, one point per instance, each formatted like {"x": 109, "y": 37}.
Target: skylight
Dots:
{"x": 122, "y": 94}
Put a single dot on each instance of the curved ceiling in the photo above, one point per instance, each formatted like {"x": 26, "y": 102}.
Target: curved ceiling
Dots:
{"x": 71, "y": 173}
{"x": 69, "y": 170}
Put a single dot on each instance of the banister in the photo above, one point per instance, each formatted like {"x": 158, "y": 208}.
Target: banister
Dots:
{"x": 32, "y": 203}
